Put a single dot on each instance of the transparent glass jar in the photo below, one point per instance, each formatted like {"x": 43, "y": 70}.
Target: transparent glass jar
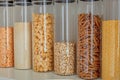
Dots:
{"x": 6, "y": 34}
{"x": 65, "y": 40}
{"x": 89, "y": 39}
{"x": 42, "y": 35}
{"x": 111, "y": 40}
{"x": 22, "y": 34}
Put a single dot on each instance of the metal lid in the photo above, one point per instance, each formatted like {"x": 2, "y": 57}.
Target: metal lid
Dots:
{"x": 64, "y": 1}
{"x": 22, "y": 0}
{"x": 3, "y": 1}
{"x": 42, "y": 2}
{"x": 6, "y": 2}
{"x": 89, "y": 0}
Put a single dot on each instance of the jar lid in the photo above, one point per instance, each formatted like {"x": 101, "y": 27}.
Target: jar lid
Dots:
{"x": 64, "y": 1}
{"x": 42, "y": 2}
{"x": 6, "y": 2}
{"x": 22, "y": 0}
{"x": 89, "y": 0}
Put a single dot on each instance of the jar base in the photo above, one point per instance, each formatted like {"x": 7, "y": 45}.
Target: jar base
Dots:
{"x": 93, "y": 78}
{"x": 63, "y": 74}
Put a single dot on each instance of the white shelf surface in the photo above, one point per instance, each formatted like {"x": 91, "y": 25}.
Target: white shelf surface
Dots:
{"x": 13, "y": 74}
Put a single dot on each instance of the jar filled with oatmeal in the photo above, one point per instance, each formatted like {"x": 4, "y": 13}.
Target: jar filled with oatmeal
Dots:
{"x": 111, "y": 40}
{"x": 42, "y": 35}
{"x": 65, "y": 40}
{"x": 89, "y": 38}
{"x": 22, "y": 34}
{"x": 6, "y": 34}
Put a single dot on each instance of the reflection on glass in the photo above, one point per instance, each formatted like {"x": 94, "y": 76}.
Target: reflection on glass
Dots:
{"x": 23, "y": 74}
{"x": 6, "y": 72}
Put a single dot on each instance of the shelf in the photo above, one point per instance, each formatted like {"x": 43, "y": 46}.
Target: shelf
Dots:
{"x": 13, "y": 74}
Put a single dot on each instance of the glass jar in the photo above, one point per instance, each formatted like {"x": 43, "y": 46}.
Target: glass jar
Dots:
{"x": 42, "y": 35}
{"x": 111, "y": 40}
{"x": 65, "y": 40}
{"x": 6, "y": 34}
{"x": 89, "y": 39}
{"x": 22, "y": 34}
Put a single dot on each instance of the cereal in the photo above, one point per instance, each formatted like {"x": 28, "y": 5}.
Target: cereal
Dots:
{"x": 64, "y": 58}
{"x": 6, "y": 47}
{"x": 89, "y": 42}
{"x": 43, "y": 42}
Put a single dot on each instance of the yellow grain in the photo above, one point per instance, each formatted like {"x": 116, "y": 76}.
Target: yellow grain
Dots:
{"x": 111, "y": 50}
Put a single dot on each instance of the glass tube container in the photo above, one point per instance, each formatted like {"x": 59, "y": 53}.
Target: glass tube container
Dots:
{"x": 89, "y": 39}
{"x": 111, "y": 40}
{"x": 22, "y": 34}
{"x": 65, "y": 40}
{"x": 43, "y": 35}
{"x": 6, "y": 34}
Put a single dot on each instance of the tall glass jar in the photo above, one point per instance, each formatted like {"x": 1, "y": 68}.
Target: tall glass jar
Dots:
{"x": 111, "y": 40}
{"x": 65, "y": 40}
{"x": 22, "y": 34}
{"x": 42, "y": 35}
{"x": 89, "y": 38}
{"x": 6, "y": 34}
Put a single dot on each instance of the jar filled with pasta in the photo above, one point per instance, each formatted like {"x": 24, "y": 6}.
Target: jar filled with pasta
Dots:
{"x": 89, "y": 38}
{"x": 111, "y": 40}
{"x": 42, "y": 35}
